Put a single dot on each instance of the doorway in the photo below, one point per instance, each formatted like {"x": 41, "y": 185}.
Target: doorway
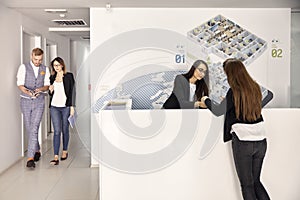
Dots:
{"x": 50, "y": 51}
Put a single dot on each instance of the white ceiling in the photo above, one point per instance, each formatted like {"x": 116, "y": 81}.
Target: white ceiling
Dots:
{"x": 79, "y": 9}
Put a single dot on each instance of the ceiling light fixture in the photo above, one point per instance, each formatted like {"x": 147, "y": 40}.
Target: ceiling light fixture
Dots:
{"x": 56, "y": 10}
{"x": 62, "y": 15}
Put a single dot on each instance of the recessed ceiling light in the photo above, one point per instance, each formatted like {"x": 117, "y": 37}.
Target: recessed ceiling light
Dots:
{"x": 56, "y": 10}
{"x": 62, "y": 15}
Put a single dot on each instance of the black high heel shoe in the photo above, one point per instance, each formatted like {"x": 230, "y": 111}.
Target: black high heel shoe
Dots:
{"x": 64, "y": 158}
{"x": 54, "y": 162}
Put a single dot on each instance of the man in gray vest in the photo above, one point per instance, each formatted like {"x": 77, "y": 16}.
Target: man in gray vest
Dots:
{"x": 33, "y": 81}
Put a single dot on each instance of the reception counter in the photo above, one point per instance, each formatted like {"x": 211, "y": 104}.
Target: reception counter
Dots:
{"x": 180, "y": 155}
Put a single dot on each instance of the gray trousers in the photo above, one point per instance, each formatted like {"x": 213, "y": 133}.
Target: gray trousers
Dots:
{"x": 32, "y": 110}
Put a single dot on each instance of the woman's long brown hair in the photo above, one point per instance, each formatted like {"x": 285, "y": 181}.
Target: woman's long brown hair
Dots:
{"x": 202, "y": 86}
{"x": 246, "y": 92}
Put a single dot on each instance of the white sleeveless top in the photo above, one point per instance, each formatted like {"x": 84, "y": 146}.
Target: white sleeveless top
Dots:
{"x": 59, "y": 97}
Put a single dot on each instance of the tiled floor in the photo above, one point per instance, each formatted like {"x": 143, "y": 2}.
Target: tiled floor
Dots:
{"x": 72, "y": 179}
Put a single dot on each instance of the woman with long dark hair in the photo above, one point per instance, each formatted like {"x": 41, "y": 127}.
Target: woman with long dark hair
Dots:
{"x": 244, "y": 126}
{"x": 62, "y": 102}
{"x": 189, "y": 88}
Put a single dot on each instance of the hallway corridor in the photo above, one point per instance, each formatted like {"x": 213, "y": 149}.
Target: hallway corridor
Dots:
{"x": 72, "y": 179}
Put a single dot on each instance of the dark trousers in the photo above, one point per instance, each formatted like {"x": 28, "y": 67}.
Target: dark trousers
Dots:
{"x": 248, "y": 158}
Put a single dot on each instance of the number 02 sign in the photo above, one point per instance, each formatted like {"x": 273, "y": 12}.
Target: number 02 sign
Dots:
{"x": 276, "y": 53}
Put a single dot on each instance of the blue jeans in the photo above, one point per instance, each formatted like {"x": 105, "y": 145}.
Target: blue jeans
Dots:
{"x": 59, "y": 116}
{"x": 248, "y": 158}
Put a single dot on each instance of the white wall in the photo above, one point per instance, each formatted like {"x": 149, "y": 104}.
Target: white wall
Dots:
{"x": 295, "y": 60}
{"x": 10, "y": 51}
{"x": 79, "y": 52}
{"x": 106, "y": 26}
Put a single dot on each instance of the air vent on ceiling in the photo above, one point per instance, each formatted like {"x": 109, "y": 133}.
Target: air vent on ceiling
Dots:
{"x": 85, "y": 37}
{"x": 70, "y": 22}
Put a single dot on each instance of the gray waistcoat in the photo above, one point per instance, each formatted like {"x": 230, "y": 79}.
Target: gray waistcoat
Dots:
{"x": 31, "y": 82}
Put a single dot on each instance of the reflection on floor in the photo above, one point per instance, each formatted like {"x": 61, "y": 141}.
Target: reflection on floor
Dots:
{"x": 72, "y": 179}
